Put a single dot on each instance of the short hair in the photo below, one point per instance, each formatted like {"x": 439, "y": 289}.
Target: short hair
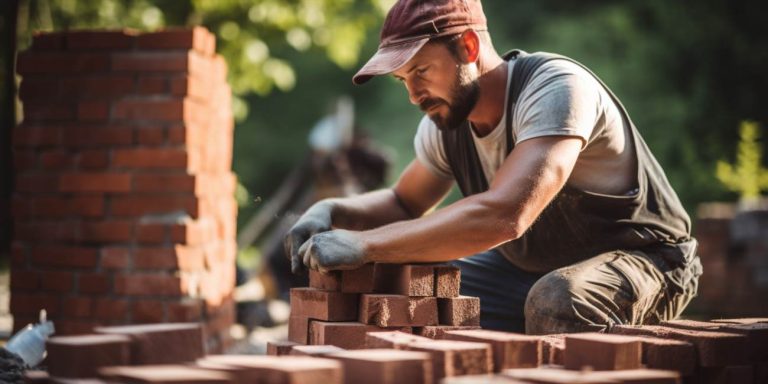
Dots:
{"x": 449, "y": 41}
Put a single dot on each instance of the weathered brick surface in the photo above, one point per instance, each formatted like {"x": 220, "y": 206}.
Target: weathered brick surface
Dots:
{"x": 455, "y": 358}
{"x": 460, "y": 310}
{"x": 552, "y": 349}
{"x": 447, "y": 281}
{"x": 602, "y": 352}
{"x": 315, "y": 350}
{"x": 438, "y": 331}
{"x": 360, "y": 280}
{"x": 669, "y": 354}
{"x": 347, "y": 335}
{"x": 282, "y": 369}
{"x": 396, "y": 310}
{"x": 123, "y": 175}
{"x": 756, "y": 333}
{"x": 392, "y": 340}
{"x": 405, "y": 279}
{"x": 298, "y": 329}
{"x": 280, "y": 348}
{"x": 324, "y": 305}
{"x": 82, "y": 356}
{"x": 385, "y": 366}
{"x": 713, "y": 349}
{"x": 510, "y": 350}
{"x": 164, "y": 374}
{"x": 167, "y": 343}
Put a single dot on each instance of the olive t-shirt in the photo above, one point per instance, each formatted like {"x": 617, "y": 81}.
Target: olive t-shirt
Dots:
{"x": 560, "y": 99}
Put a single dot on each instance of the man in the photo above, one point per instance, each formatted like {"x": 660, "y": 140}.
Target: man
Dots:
{"x": 570, "y": 221}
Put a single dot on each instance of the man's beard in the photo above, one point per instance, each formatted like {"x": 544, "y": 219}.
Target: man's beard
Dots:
{"x": 464, "y": 93}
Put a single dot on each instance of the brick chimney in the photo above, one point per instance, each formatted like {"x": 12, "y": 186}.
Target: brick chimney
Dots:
{"x": 123, "y": 204}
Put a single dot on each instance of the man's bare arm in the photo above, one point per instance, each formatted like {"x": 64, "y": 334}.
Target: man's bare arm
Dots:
{"x": 527, "y": 181}
{"x": 417, "y": 191}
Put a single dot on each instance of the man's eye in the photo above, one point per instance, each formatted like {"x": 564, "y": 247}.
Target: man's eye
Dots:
{"x": 421, "y": 71}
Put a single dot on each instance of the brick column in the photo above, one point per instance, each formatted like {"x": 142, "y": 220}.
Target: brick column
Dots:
{"x": 124, "y": 204}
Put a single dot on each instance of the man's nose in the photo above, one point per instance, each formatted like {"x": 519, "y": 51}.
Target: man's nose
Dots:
{"x": 416, "y": 94}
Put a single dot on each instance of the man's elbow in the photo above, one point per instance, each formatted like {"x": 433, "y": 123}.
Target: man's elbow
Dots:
{"x": 505, "y": 223}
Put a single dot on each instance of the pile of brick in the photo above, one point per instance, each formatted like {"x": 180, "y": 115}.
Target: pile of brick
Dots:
{"x": 340, "y": 307}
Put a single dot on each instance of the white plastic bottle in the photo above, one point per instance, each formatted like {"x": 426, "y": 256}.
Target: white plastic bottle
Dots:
{"x": 29, "y": 343}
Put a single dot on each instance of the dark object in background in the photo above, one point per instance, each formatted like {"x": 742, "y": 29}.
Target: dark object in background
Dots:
{"x": 11, "y": 368}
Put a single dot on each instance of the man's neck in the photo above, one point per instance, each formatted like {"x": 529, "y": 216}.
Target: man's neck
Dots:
{"x": 490, "y": 103}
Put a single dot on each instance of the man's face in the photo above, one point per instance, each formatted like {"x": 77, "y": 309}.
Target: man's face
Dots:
{"x": 442, "y": 86}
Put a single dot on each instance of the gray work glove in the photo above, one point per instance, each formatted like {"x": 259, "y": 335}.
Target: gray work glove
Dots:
{"x": 337, "y": 249}
{"x": 315, "y": 220}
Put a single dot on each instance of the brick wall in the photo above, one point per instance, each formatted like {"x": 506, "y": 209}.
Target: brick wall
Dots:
{"x": 123, "y": 204}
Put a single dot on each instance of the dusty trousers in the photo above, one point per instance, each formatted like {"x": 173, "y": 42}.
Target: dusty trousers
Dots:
{"x": 618, "y": 287}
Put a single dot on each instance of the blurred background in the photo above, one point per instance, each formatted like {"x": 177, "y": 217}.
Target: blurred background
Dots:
{"x": 690, "y": 74}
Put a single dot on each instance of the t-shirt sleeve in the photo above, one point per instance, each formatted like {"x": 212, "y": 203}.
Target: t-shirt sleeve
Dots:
{"x": 428, "y": 145}
{"x": 562, "y": 99}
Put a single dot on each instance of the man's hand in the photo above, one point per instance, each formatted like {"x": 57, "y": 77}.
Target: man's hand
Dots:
{"x": 317, "y": 219}
{"x": 339, "y": 249}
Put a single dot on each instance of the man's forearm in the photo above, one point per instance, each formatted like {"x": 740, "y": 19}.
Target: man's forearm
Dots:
{"x": 462, "y": 229}
{"x": 366, "y": 211}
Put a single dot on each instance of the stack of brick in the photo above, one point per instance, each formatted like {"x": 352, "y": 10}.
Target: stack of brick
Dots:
{"x": 340, "y": 307}
{"x": 124, "y": 207}
{"x": 720, "y": 351}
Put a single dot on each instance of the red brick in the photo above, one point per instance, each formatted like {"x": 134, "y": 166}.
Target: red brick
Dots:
{"x": 95, "y": 87}
{"x": 461, "y": 310}
{"x": 280, "y": 348}
{"x": 31, "y": 62}
{"x": 725, "y": 375}
{"x": 93, "y": 159}
{"x": 714, "y": 349}
{"x": 36, "y": 136}
{"x": 197, "y": 38}
{"x": 87, "y": 40}
{"x": 31, "y": 304}
{"x": 77, "y": 307}
{"x": 154, "y": 258}
{"x": 348, "y": 335}
{"x": 24, "y": 160}
{"x": 151, "y": 233}
{"x": 352, "y": 281}
{"x": 80, "y": 206}
{"x": 757, "y": 334}
{"x": 298, "y": 329}
{"x": 405, "y": 279}
{"x": 557, "y": 375}
{"x": 193, "y": 86}
{"x": 315, "y": 350}
{"x": 162, "y": 158}
{"x": 57, "y": 281}
{"x": 167, "y": 343}
{"x": 187, "y": 310}
{"x": 151, "y": 61}
{"x": 147, "y": 311}
{"x": 164, "y": 182}
{"x": 45, "y": 231}
{"x": 56, "y": 159}
{"x": 456, "y": 358}
{"x": 553, "y": 349}
{"x": 178, "y": 134}
{"x": 95, "y": 182}
{"x": 115, "y": 257}
{"x": 510, "y": 350}
{"x": 162, "y": 110}
{"x": 35, "y": 111}
{"x": 150, "y": 136}
{"x": 398, "y": 310}
{"x": 148, "y": 285}
{"x": 82, "y": 356}
{"x": 64, "y": 256}
{"x": 160, "y": 374}
{"x": 38, "y": 89}
{"x": 392, "y": 339}
{"x": 668, "y": 354}
{"x": 149, "y": 85}
{"x": 438, "y": 331}
{"x": 276, "y": 369}
{"x": 149, "y": 205}
{"x": 110, "y": 309}
{"x": 447, "y": 281}
{"x": 36, "y": 182}
{"x": 194, "y": 232}
{"x": 93, "y": 110}
{"x": 654, "y": 376}
{"x": 24, "y": 280}
{"x": 107, "y": 231}
{"x": 324, "y": 305}
{"x": 42, "y": 41}
{"x": 36, "y": 377}
{"x": 94, "y": 283}
{"x": 602, "y": 352}
{"x": 97, "y": 136}
{"x": 385, "y": 366}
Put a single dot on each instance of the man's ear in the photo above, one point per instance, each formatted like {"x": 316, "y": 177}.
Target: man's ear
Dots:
{"x": 470, "y": 45}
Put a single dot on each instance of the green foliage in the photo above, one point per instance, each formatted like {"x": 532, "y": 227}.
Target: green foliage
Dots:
{"x": 747, "y": 176}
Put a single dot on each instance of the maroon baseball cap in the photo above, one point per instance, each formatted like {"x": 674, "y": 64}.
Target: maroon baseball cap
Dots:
{"x": 411, "y": 23}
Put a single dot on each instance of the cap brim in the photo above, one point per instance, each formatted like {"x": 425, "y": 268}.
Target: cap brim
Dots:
{"x": 388, "y": 59}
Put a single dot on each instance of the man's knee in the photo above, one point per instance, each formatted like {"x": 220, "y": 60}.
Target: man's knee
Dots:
{"x": 551, "y": 308}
